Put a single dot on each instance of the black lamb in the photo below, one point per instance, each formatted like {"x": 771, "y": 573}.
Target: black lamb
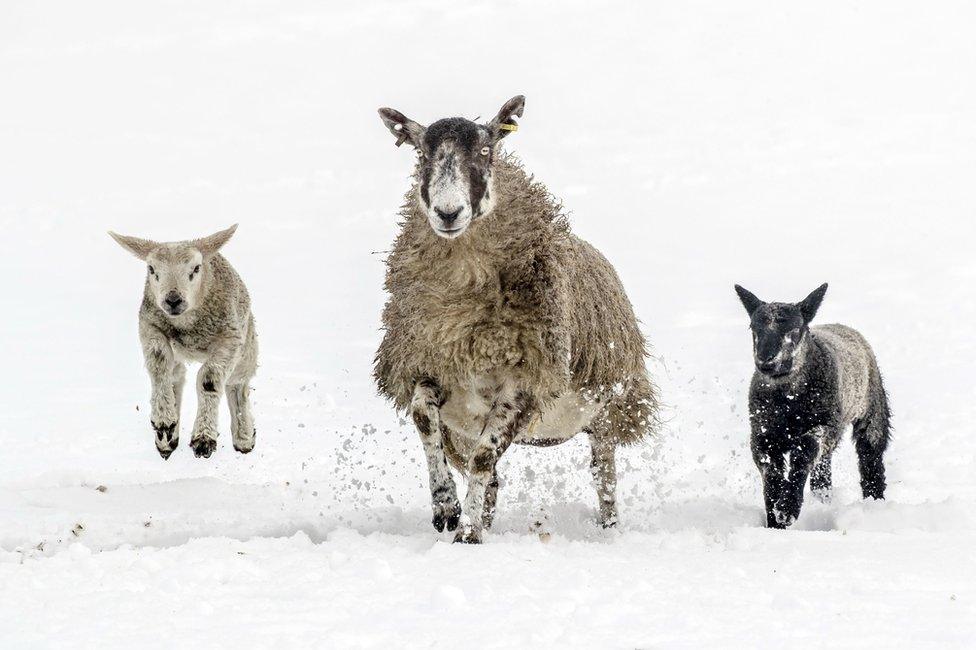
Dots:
{"x": 810, "y": 384}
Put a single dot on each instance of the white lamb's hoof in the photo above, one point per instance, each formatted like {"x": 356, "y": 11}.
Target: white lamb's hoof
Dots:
{"x": 246, "y": 446}
{"x": 203, "y": 446}
{"x": 167, "y": 437}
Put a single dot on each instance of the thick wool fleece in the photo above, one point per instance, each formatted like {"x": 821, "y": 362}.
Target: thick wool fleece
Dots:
{"x": 224, "y": 313}
{"x": 517, "y": 292}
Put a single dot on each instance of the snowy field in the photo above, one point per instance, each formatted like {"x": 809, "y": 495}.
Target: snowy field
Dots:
{"x": 696, "y": 144}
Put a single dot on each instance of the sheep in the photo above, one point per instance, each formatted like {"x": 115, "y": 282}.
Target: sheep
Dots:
{"x": 811, "y": 383}
{"x": 196, "y": 308}
{"x": 501, "y": 325}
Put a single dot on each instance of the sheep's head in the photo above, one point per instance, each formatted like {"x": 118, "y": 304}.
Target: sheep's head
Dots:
{"x": 779, "y": 330}
{"x": 177, "y": 272}
{"x": 456, "y": 158}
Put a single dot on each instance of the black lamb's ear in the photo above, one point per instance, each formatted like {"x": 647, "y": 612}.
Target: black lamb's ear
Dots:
{"x": 504, "y": 123}
{"x": 749, "y": 300}
{"x": 809, "y": 305}
{"x": 401, "y": 126}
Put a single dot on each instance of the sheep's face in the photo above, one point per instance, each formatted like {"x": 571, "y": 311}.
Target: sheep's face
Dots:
{"x": 779, "y": 330}
{"x": 177, "y": 273}
{"x": 455, "y": 175}
{"x": 455, "y": 164}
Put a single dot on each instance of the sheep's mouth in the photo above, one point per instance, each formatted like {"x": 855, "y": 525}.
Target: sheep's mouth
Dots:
{"x": 450, "y": 233}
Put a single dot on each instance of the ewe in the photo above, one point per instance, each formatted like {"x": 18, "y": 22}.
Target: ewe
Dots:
{"x": 502, "y": 326}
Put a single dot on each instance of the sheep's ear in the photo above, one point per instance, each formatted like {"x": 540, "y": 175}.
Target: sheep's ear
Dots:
{"x": 401, "y": 126}
{"x": 504, "y": 123}
{"x": 138, "y": 247}
{"x": 749, "y": 300}
{"x": 809, "y": 305}
{"x": 212, "y": 243}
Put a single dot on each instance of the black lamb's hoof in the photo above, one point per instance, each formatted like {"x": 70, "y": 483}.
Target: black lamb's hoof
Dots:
{"x": 203, "y": 447}
{"x": 446, "y": 515}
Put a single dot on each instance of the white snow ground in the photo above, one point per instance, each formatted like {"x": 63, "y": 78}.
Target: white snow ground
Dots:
{"x": 697, "y": 145}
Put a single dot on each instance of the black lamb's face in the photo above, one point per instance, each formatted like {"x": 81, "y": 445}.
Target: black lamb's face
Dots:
{"x": 455, "y": 174}
{"x": 779, "y": 330}
{"x": 777, "y": 333}
{"x": 456, "y": 156}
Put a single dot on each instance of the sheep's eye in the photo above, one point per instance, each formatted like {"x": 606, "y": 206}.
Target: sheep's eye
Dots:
{"x": 152, "y": 271}
{"x": 485, "y": 151}
{"x": 196, "y": 269}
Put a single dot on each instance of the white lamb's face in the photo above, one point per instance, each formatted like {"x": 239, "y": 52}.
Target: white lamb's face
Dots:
{"x": 175, "y": 277}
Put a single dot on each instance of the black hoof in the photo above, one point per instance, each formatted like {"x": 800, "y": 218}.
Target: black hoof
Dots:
{"x": 165, "y": 453}
{"x": 447, "y": 515}
{"x": 203, "y": 447}
{"x": 165, "y": 432}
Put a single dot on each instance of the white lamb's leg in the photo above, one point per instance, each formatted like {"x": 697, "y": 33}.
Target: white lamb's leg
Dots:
{"x": 425, "y": 408}
{"x": 241, "y": 419}
{"x": 509, "y": 416}
{"x": 164, "y": 413}
{"x": 211, "y": 380}
{"x": 179, "y": 380}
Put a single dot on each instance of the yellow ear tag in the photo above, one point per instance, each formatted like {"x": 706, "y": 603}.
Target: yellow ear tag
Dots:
{"x": 508, "y": 127}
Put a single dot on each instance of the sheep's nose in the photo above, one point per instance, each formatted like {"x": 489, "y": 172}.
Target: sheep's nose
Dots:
{"x": 448, "y": 217}
{"x": 173, "y": 299}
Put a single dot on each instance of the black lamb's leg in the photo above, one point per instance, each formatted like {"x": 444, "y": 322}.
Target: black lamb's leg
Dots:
{"x": 871, "y": 436}
{"x": 821, "y": 479}
{"x": 770, "y": 462}
{"x": 772, "y": 489}
{"x": 870, "y": 441}
{"x": 802, "y": 456}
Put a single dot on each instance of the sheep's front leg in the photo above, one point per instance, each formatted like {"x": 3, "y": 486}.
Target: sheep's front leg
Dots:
{"x": 507, "y": 418}
{"x": 426, "y": 411}
{"x": 164, "y": 412}
{"x": 211, "y": 380}
{"x": 803, "y": 453}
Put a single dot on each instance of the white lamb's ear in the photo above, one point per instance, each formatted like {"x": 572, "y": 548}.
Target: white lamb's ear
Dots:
{"x": 212, "y": 243}
{"x": 138, "y": 247}
{"x": 504, "y": 123}
{"x": 401, "y": 126}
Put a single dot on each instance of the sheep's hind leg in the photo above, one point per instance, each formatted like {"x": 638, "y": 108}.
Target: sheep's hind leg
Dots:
{"x": 491, "y": 501}
{"x": 425, "y": 408}
{"x": 603, "y": 466}
{"x": 506, "y": 420}
{"x": 871, "y": 437}
{"x": 241, "y": 419}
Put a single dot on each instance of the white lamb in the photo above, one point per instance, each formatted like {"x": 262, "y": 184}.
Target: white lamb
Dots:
{"x": 196, "y": 308}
